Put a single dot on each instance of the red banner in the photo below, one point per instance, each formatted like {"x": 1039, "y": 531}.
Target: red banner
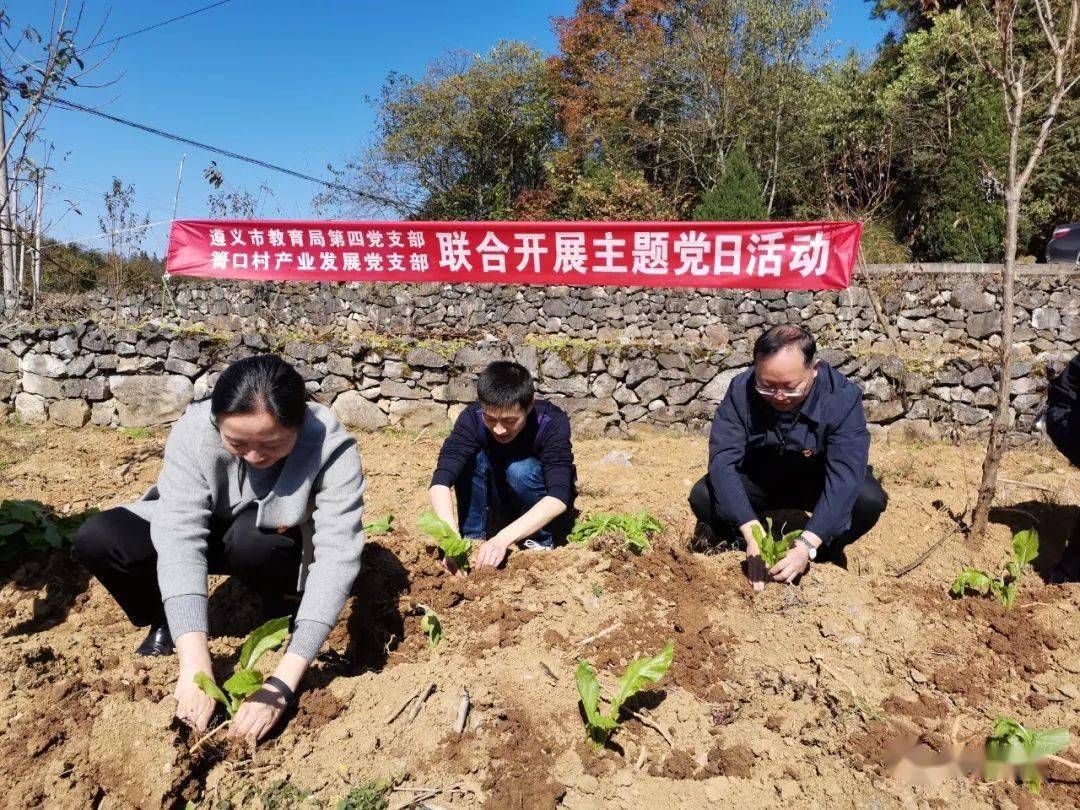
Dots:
{"x": 756, "y": 255}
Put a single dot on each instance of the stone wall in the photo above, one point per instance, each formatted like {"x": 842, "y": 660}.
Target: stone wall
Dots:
{"x": 408, "y": 355}
{"x": 955, "y": 308}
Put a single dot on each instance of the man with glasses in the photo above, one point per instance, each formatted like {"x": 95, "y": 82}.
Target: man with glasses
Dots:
{"x": 789, "y": 434}
{"x": 511, "y": 466}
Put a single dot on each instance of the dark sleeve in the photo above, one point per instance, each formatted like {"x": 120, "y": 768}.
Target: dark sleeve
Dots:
{"x": 847, "y": 451}
{"x": 727, "y": 447}
{"x": 460, "y": 447}
{"x": 1062, "y": 413}
{"x": 556, "y": 456}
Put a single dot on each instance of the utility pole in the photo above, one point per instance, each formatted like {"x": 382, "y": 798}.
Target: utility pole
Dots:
{"x": 179, "y": 181}
{"x": 37, "y": 236}
{"x": 19, "y": 238}
{"x": 7, "y": 254}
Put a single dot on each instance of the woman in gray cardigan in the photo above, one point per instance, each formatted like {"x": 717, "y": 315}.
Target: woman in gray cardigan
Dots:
{"x": 257, "y": 483}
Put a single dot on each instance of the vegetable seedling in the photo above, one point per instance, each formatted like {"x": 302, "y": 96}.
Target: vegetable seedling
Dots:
{"x": 453, "y": 545}
{"x": 635, "y": 529}
{"x": 772, "y": 550}
{"x": 246, "y": 680}
{"x": 431, "y": 626}
{"x": 383, "y": 525}
{"x": 1025, "y": 549}
{"x": 640, "y": 673}
{"x": 34, "y": 526}
{"x": 1012, "y": 745}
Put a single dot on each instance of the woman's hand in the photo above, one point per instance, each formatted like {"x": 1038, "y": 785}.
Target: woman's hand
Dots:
{"x": 259, "y": 714}
{"x": 261, "y": 711}
{"x": 194, "y": 707}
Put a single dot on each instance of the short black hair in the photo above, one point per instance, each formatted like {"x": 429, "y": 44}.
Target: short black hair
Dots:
{"x": 262, "y": 382}
{"x": 505, "y": 383}
{"x": 779, "y": 337}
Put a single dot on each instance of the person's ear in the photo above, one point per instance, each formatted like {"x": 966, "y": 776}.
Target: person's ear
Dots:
{"x": 532, "y": 404}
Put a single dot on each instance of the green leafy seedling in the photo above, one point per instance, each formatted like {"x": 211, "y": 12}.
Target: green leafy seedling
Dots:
{"x": 383, "y": 525}
{"x": 636, "y": 530}
{"x": 453, "y": 545}
{"x": 246, "y": 680}
{"x": 1025, "y": 549}
{"x": 639, "y": 674}
{"x": 431, "y": 626}
{"x": 1012, "y": 745}
{"x": 772, "y": 549}
{"x": 34, "y": 526}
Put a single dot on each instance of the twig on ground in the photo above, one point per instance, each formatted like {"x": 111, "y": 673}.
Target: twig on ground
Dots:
{"x": 420, "y": 435}
{"x": 957, "y": 526}
{"x": 1035, "y": 604}
{"x": 911, "y": 566}
{"x": 463, "y": 711}
{"x": 401, "y": 708}
{"x": 1023, "y": 512}
{"x": 1068, "y": 763}
{"x": 420, "y": 701}
{"x": 641, "y": 758}
{"x": 822, "y": 665}
{"x": 206, "y": 737}
{"x": 645, "y": 721}
{"x": 1029, "y": 486}
{"x": 599, "y": 635}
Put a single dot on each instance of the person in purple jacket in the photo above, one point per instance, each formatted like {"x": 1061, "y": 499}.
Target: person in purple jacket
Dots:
{"x": 510, "y": 464}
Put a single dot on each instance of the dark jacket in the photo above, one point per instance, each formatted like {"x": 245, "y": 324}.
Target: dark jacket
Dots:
{"x": 1062, "y": 413}
{"x": 829, "y": 439}
{"x": 545, "y": 437}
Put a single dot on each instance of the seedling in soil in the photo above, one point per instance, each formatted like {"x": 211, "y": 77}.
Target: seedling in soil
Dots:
{"x": 635, "y": 529}
{"x": 772, "y": 550}
{"x": 34, "y": 526}
{"x": 383, "y": 525}
{"x": 431, "y": 626}
{"x": 453, "y": 545}
{"x": 1012, "y": 745}
{"x": 246, "y": 680}
{"x": 1025, "y": 549}
{"x": 369, "y": 796}
{"x": 642, "y": 672}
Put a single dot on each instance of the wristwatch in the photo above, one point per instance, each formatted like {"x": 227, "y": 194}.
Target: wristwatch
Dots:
{"x": 810, "y": 550}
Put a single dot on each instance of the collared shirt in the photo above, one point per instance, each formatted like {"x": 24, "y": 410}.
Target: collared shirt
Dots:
{"x": 827, "y": 436}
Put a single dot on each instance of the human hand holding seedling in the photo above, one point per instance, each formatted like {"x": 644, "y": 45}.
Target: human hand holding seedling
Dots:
{"x": 454, "y": 547}
{"x": 260, "y": 711}
{"x": 193, "y": 707}
{"x": 246, "y": 685}
{"x": 755, "y": 566}
{"x": 792, "y": 565}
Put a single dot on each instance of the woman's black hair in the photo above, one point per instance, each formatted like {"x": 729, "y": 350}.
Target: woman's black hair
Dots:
{"x": 263, "y": 382}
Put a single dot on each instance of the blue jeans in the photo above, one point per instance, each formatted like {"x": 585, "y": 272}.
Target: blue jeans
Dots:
{"x": 490, "y": 497}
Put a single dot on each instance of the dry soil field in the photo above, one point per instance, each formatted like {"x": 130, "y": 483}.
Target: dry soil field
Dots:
{"x": 788, "y": 698}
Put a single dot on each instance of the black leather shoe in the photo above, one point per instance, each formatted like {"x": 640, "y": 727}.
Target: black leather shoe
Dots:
{"x": 157, "y": 642}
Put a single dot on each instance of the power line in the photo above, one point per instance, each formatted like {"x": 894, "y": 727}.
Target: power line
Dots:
{"x": 157, "y": 25}
{"x": 64, "y": 104}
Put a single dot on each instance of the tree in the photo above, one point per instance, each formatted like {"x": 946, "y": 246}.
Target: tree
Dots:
{"x": 125, "y": 232}
{"x": 1034, "y": 84}
{"x": 461, "y": 143}
{"x": 52, "y": 63}
{"x": 737, "y": 197}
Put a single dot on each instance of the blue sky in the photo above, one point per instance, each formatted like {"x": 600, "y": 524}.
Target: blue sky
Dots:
{"x": 279, "y": 80}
